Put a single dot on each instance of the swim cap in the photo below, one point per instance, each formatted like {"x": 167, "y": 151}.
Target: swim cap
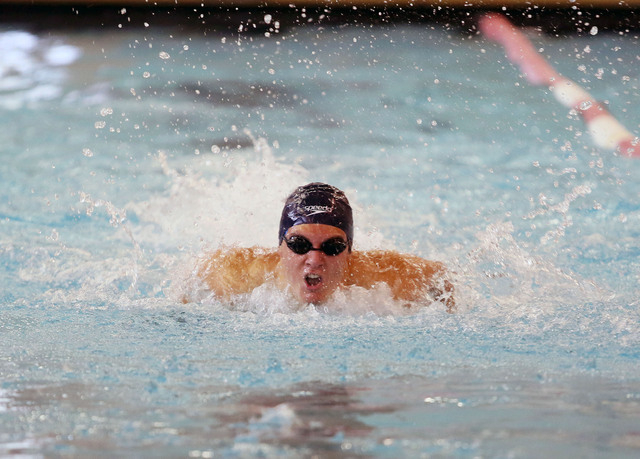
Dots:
{"x": 317, "y": 203}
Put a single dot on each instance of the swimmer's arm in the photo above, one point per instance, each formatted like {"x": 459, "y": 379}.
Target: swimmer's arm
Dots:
{"x": 410, "y": 278}
{"x": 235, "y": 271}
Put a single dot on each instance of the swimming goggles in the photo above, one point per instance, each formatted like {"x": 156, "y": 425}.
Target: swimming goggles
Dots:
{"x": 331, "y": 247}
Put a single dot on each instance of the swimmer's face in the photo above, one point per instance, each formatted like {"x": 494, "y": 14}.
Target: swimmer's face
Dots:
{"x": 312, "y": 277}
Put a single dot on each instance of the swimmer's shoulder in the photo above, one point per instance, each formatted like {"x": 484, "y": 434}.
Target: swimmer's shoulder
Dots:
{"x": 370, "y": 262}
{"x": 234, "y": 270}
{"x": 410, "y": 277}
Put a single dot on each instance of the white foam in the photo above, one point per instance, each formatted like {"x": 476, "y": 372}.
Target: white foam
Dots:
{"x": 32, "y": 68}
{"x": 17, "y": 40}
{"x": 62, "y": 55}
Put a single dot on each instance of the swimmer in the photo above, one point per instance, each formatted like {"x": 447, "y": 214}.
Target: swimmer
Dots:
{"x": 315, "y": 257}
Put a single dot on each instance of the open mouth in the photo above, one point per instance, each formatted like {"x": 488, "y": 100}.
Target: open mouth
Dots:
{"x": 312, "y": 280}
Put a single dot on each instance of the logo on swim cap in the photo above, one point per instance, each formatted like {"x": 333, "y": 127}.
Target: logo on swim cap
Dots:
{"x": 316, "y": 209}
{"x": 317, "y": 203}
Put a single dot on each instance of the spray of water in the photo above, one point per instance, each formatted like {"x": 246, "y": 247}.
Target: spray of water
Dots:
{"x": 165, "y": 236}
{"x": 504, "y": 278}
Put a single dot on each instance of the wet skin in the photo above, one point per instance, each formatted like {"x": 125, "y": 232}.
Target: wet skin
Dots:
{"x": 313, "y": 276}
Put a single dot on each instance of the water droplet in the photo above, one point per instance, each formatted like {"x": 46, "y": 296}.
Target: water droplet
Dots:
{"x": 100, "y": 124}
{"x": 267, "y": 18}
{"x": 54, "y": 235}
{"x": 146, "y": 75}
{"x": 88, "y": 153}
{"x": 106, "y": 111}
{"x": 164, "y": 55}
{"x": 594, "y": 30}
{"x": 585, "y": 105}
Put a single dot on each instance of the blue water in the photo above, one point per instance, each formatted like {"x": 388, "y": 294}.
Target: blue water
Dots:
{"x": 127, "y": 153}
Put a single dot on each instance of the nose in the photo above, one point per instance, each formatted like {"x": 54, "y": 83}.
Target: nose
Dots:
{"x": 314, "y": 258}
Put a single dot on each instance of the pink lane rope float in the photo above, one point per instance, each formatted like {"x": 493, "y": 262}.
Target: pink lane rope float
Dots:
{"x": 605, "y": 129}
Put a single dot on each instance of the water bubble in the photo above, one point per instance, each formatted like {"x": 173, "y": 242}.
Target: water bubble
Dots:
{"x": 594, "y": 30}
{"x": 100, "y": 124}
{"x": 106, "y": 111}
{"x": 267, "y": 18}
{"x": 164, "y": 55}
{"x": 146, "y": 75}
{"x": 215, "y": 149}
{"x": 88, "y": 153}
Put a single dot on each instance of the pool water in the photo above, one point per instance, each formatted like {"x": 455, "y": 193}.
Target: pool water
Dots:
{"x": 129, "y": 152}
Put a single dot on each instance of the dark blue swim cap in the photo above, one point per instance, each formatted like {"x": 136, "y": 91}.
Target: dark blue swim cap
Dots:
{"x": 317, "y": 203}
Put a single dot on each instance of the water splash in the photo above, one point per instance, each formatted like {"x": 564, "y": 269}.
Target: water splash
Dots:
{"x": 201, "y": 211}
{"x": 562, "y": 208}
{"x": 118, "y": 219}
{"x": 503, "y": 276}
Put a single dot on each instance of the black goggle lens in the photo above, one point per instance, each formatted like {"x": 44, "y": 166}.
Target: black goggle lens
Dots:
{"x": 330, "y": 247}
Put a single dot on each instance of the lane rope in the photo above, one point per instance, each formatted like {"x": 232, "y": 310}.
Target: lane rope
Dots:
{"x": 605, "y": 130}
